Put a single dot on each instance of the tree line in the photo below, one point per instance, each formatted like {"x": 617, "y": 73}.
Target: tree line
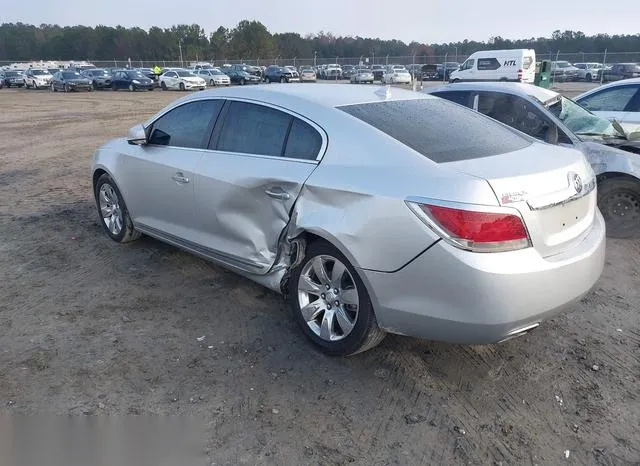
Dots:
{"x": 252, "y": 40}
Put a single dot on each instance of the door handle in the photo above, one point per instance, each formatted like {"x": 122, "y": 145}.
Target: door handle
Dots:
{"x": 180, "y": 178}
{"x": 278, "y": 193}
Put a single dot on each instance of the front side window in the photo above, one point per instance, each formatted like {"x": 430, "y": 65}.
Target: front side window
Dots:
{"x": 610, "y": 100}
{"x": 254, "y": 129}
{"x": 468, "y": 64}
{"x": 185, "y": 126}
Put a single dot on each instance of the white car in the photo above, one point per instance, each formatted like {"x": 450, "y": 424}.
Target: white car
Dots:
{"x": 619, "y": 100}
{"x": 214, "y": 77}
{"x": 182, "y": 80}
{"x": 396, "y": 75}
{"x": 588, "y": 71}
{"x": 37, "y": 79}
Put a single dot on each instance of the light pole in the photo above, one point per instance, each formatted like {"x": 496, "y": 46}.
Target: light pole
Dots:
{"x": 456, "y": 54}
{"x": 315, "y": 55}
{"x": 180, "y": 47}
{"x": 373, "y": 57}
{"x": 294, "y": 61}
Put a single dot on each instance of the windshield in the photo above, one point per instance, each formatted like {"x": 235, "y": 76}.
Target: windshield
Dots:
{"x": 581, "y": 121}
{"x": 71, "y": 75}
{"x": 563, "y": 64}
{"x": 136, "y": 75}
{"x": 99, "y": 73}
{"x": 12, "y": 74}
{"x": 217, "y": 73}
{"x": 185, "y": 74}
{"x": 39, "y": 72}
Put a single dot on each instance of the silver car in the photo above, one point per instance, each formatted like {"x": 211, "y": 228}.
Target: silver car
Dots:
{"x": 366, "y": 207}
{"x": 549, "y": 116}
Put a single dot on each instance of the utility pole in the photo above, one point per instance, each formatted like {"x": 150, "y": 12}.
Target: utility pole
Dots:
{"x": 180, "y": 48}
{"x": 315, "y": 55}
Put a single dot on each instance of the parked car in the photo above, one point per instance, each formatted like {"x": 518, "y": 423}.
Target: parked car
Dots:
{"x": 562, "y": 71}
{"x": 354, "y": 251}
{"x": 181, "y": 80}
{"x": 361, "y": 75}
{"x": 551, "y": 117}
{"x": 396, "y": 75}
{"x": 588, "y": 71}
{"x": 429, "y": 72}
{"x": 100, "y": 78}
{"x": 242, "y": 77}
{"x": 213, "y": 77}
{"x": 332, "y": 71}
{"x": 133, "y": 80}
{"x": 254, "y": 70}
{"x": 37, "y": 79}
{"x": 348, "y": 71}
{"x": 307, "y": 74}
{"x": 275, "y": 73}
{"x": 378, "y": 71}
{"x": 1, "y": 79}
{"x": 13, "y": 78}
{"x": 444, "y": 70}
{"x": 294, "y": 72}
{"x": 620, "y": 71}
{"x": 619, "y": 100}
{"x": 69, "y": 80}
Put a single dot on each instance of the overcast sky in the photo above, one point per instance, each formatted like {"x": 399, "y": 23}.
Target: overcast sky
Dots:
{"x": 428, "y": 21}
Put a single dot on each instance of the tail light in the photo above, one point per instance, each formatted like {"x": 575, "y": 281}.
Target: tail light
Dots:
{"x": 520, "y": 74}
{"x": 474, "y": 228}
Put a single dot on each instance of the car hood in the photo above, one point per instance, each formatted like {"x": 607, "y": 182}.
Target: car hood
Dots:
{"x": 608, "y": 158}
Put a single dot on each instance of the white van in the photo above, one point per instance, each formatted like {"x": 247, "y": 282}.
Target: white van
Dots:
{"x": 498, "y": 65}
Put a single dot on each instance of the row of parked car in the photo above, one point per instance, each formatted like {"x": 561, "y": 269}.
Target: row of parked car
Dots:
{"x": 592, "y": 71}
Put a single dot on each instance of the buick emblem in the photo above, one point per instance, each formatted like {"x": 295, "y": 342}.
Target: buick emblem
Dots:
{"x": 576, "y": 182}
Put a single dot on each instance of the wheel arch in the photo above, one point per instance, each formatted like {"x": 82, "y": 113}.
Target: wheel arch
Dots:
{"x": 614, "y": 174}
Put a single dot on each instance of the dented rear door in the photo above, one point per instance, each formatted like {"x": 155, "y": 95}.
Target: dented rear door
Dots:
{"x": 247, "y": 183}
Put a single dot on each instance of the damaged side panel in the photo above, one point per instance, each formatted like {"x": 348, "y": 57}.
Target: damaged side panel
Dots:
{"x": 605, "y": 159}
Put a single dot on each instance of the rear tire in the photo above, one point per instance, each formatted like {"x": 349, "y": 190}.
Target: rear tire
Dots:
{"x": 113, "y": 207}
{"x": 282, "y": 80}
{"x": 619, "y": 202}
{"x": 588, "y": 78}
{"x": 361, "y": 332}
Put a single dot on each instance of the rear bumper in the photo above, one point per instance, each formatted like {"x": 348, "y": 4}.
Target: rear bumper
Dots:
{"x": 456, "y": 296}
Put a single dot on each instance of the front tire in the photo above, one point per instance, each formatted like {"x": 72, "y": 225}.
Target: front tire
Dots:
{"x": 588, "y": 78}
{"x": 163, "y": 86}
{"x": 182, "y": 88}
{"x": 113, "y": 212}
{"x": 242, "y": 82}
{"x": 331, "y": 304}
{"x": 131, "y": 88}
{"x": 619, "y": 202}
{"x": 212, "y": 83}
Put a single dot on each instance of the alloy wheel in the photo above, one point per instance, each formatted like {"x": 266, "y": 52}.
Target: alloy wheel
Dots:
{"x": 110, "y": 210}
{"x": 328, "y": 298}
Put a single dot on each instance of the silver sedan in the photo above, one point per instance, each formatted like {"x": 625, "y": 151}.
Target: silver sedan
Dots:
{"x": 366, "y": 207}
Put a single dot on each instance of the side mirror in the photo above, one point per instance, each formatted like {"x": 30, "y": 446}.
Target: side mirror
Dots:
{"x": 137, "y": 135}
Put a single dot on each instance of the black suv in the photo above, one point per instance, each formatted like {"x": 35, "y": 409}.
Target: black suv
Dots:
{"x": 254, "y": 70}
{"x": 378, "y": 71}
{"x": 275, "y": 73}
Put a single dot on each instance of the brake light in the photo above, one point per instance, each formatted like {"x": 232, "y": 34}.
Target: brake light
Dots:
{"x": 520, "y": 74}
{"x": 475, "y": 228}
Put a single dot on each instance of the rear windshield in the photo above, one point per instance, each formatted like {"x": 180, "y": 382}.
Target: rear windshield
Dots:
{"x": 438, "y": 129}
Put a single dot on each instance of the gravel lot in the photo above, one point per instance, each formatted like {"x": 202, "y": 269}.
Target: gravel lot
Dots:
{"x": 91, "y": 327}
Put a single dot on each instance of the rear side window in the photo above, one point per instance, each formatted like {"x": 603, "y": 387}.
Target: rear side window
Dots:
{"x": 459, "y": 97}
{"x": 304, "y": 141}
{"x": 486, "y": 64}
{"x": 438, "y": 129}
{"x": 254, "y": 129}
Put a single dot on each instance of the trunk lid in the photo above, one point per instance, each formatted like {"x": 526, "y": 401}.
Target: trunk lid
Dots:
{"x": 552, "y": 187}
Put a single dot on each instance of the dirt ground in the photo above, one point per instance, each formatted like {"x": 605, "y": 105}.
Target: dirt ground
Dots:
{"x": 90, "y": 327}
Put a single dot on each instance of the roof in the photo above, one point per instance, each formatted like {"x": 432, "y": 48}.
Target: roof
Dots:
{"x": 327, "y": 95}
{"x": 622, "y": 82}
{"x": 521, "y": 89}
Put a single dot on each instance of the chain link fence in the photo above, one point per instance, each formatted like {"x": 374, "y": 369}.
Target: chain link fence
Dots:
{"x": 603, "y": 57}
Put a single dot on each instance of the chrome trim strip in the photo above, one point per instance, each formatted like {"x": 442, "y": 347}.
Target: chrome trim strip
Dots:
{"x": 561, "y": 197}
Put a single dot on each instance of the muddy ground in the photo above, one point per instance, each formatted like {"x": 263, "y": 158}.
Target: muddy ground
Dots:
{"x": 90, "y": 327}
